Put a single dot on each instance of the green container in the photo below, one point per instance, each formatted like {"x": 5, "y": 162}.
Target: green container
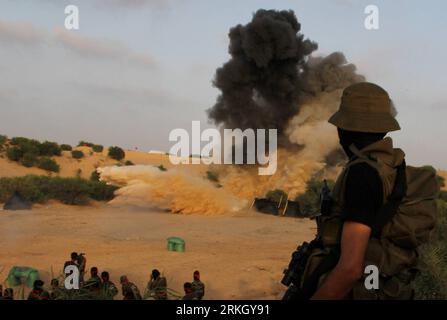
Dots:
{"x": 22, "y": 275}
{"x": 176, "y": 244}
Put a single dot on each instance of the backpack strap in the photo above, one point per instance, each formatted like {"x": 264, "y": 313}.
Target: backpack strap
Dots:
{"x": 389, "y": 209}
{"x": 392, "y": 203}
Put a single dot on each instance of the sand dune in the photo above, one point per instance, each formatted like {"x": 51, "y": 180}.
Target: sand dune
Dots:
{"x": 70, "y": 167}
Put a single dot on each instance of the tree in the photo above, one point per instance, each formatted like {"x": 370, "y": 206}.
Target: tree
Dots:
{"x": 85, "y": 144}
{"x": 97, "y": 148}
{"x": 49, "y": 149}
{"x": 77, "y": 154}
{"x": 66, "y": 147}
{"x": 116, "y": 153}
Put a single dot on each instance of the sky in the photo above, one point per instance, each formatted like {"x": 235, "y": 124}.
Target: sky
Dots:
{"x": 136, "y": 69}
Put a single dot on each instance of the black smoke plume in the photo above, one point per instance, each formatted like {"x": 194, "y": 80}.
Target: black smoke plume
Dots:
{"x": 270, "y": 73}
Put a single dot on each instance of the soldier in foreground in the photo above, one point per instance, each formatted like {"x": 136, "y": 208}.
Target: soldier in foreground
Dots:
{"x": 157, "y": 286}
{"x": 108, "y": 288}
{"x": 381, "y": 211}
{"x": 198, "y": 287}
{"x": 129, "y": 290}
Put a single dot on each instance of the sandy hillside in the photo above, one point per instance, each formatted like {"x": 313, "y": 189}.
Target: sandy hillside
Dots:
{"x": 70, "y": 167}
{"x": 239, "y": 257}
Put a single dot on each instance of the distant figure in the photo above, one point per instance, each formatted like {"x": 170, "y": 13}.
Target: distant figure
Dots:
{"x": 72, "y": 261}
{"x": 56, "y": 291}
{"x": 82, "y": 263}
{"x": 198, "y": 287}
{"x": 129, "y": 290}
{"x": 157, "y": 286}
{"x": 38, "y": 292}
{"x": 189, "y": 293}
{"x": 94, "y": 283}
{"x": 79, "y": 261}
{"x": 108, "y": 288}
{"x": 8, "y": 294}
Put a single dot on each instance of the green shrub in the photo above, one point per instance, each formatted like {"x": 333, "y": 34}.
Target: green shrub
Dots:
{"x": 100, "y": 191}
{"x": 49, "y": 149}
{"x": 85, "y": 144}
{"x": 443, "y": 195}
{"x": 97, "y": 148}
{"x": 212, "y": 176}
{"x": 14, "y": 153}
{"x": 310, "y": 200}
{"x": 116, "y": 153}
{"x": 77, "y": 154}
{"x": 95, "y": 176}
{"x": 26, "y": 145}
{"x": 3, "y": 140}
{"x": 162, "y": 168}
{"x": 28, "y": 160}
{"x": 276, "y": 195}
{"x": 66, "y": 147}
{"x": 15, "y": 141}
{"x": 39, "y": 189}
{"x": 129, "y": 163}
{"x": 48, "y": 165}
{"x": 431, "y": 283}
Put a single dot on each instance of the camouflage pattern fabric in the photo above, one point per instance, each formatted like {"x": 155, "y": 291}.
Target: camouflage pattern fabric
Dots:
{"x": 198, "y": 288}
{"x": 109, "y": 290}
{"x": 131, "y": 292}
{"x": 158, "y": 288}
{"x": 39, "y": 294}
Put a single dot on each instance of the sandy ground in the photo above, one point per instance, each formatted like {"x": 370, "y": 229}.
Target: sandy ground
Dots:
{"x": 239, "y": 257}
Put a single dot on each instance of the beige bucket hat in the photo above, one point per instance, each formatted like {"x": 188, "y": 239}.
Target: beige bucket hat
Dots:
{"x": 365, "y": 107}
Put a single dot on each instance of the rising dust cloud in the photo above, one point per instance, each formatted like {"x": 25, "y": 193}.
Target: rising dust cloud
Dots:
{"x": 270, "y": 81}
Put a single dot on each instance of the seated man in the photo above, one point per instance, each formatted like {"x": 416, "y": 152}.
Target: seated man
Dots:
{"x": 108, "y": 288}
{"x": 129, "y": 290}
{"x": 189, "y": 293}
{"x": 56, "y": 290}
{"x": 157, "y": 286}
{"x": 94, "y": 283}
{"x": 38, "y": 292}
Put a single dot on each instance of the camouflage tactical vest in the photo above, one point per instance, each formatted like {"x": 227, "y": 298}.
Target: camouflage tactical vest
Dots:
{"x": 394, "y": 250}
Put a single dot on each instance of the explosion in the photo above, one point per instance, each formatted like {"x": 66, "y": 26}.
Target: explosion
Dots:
{"x": 270, "y": 82}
